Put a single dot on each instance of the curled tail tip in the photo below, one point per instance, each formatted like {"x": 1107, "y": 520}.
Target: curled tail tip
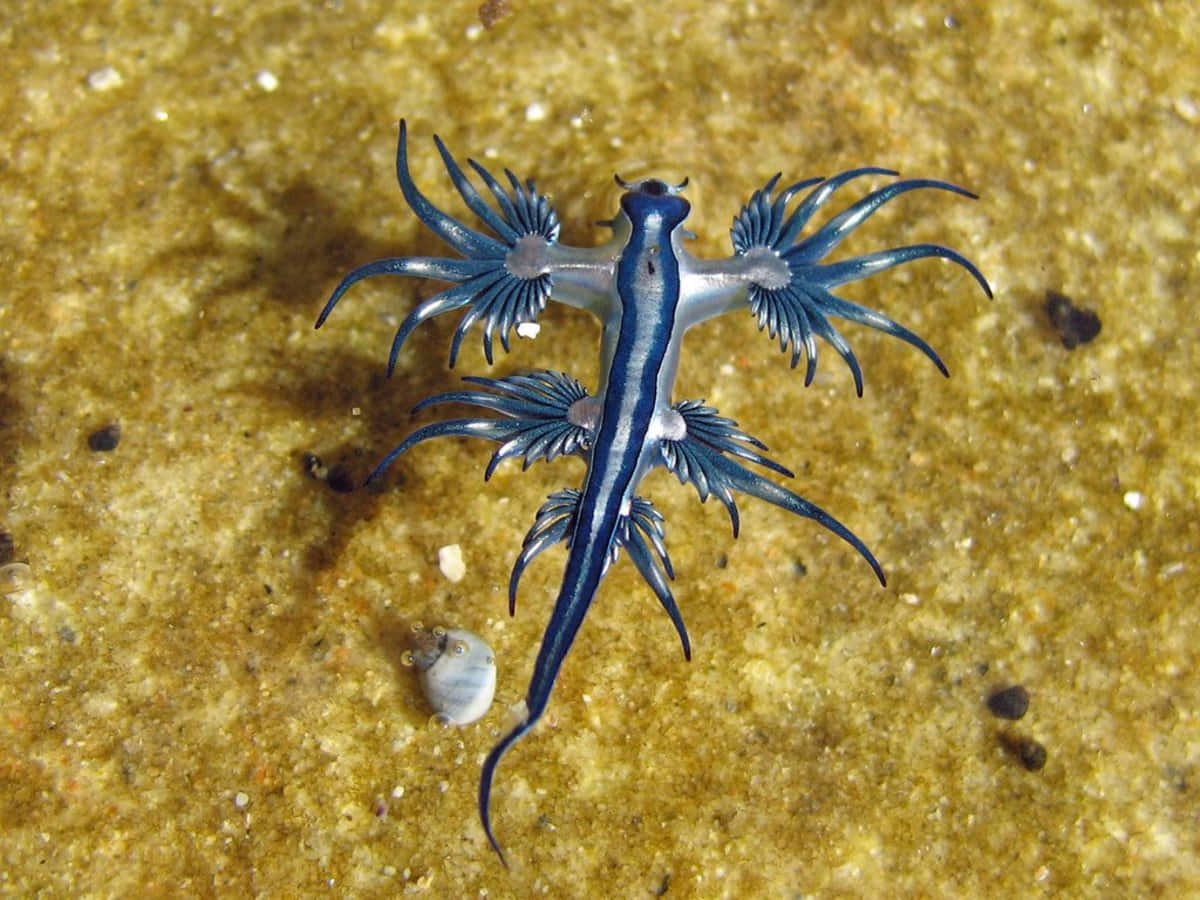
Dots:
{"x": 487, "y": 829}
{"x": 487, "y": 776}
{"x": 485, "y": 814}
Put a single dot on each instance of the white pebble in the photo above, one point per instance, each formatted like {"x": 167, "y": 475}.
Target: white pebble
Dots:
{"x": 1187, "y": 109}
{"x": 104, "y": 79}
{"x": 267, "y": 80}
{"x": 1134, "y": 499}
{"x": 450, "y": 561}
{"x": 528, "y": 330}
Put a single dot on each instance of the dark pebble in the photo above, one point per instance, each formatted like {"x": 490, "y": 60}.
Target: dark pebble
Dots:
{"x": 7, "y": 548}
{"x": 1031, "y": 754}
{"x": 105, "y": 440}
{"x": 492, "y": 11}
{"x": 340, "y": 480}
{"x": 1009, "y": 703}
{"x": 1074, "y": 324}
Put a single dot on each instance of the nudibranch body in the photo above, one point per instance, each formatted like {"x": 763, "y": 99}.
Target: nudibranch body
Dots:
{"x": 647, "y": 291}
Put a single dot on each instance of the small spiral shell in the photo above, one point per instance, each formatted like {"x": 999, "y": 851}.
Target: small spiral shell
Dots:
{"x": 457, "y": 670}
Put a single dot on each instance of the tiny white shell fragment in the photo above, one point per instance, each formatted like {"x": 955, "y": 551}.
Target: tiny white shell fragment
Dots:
{"x": 457, "y": 673}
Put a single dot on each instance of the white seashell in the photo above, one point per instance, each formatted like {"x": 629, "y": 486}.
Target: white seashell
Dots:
{"x": 457, "y": 672}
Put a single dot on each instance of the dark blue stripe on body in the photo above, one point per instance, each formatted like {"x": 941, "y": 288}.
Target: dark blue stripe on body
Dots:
{"x": 647, "y": 285}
